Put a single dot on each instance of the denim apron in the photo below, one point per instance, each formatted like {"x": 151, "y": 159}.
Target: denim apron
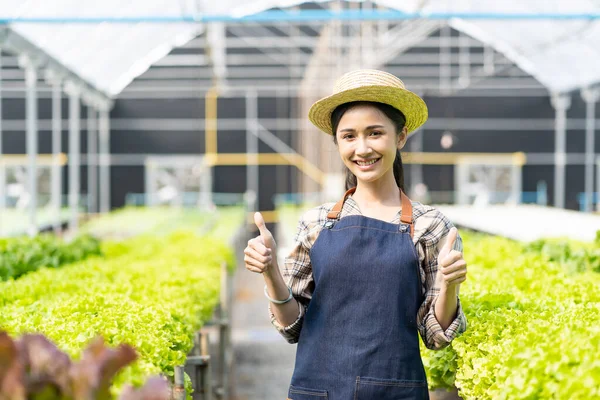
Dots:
{"x": 359, "y": 339}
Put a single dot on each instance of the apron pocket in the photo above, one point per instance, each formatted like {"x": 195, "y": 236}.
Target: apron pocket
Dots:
{"x": 390, "y": 389}
{"x": 301, "y": 393}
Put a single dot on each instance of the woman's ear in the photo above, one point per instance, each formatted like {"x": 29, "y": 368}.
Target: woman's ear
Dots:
{"x": 402, "y": 137}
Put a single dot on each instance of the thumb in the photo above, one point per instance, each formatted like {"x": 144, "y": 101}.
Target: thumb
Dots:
{"x": 265, "y": 234}
{"x": 450, "y": 240}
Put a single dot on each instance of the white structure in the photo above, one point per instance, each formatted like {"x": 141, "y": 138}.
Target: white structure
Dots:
{"x": 92, "y": 50}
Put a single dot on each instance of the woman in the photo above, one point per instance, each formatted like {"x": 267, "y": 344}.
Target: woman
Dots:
{"x": 369, "y": 272}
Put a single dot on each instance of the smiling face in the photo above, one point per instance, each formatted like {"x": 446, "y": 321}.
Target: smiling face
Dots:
{"x": 367, "y": 141}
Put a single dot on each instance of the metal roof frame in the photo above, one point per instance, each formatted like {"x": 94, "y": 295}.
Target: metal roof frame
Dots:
{"x": 138, "y": 21}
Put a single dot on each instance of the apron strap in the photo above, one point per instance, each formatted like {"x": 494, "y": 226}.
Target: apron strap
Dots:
{"x": 407, "y": 213}
{"x": 406, "y": 217}
{"x": 337, "y": 209}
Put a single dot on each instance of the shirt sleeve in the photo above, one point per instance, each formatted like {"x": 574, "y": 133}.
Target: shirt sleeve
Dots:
{"x": 297, "y": 272}
{"x": 431, "y": 243}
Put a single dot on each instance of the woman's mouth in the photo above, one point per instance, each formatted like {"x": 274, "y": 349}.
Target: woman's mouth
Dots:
{"x": 366, "y": 164}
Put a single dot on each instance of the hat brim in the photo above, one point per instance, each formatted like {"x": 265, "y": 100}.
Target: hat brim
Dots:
{"x": 411, "y": 105}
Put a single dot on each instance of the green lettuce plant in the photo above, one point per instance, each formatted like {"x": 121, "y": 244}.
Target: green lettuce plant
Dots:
{"x": 533, "y": 326}
{"x": 22, "y": 255}
{"x": 150, "y": 292}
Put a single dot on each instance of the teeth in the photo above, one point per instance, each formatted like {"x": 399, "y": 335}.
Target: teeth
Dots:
{"x": 364, "y": 164}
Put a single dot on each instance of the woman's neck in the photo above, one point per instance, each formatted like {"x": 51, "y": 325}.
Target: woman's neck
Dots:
{"x": 383, "y": 191}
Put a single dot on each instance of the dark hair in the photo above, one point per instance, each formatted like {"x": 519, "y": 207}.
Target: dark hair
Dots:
{"x": 397, "y": 119}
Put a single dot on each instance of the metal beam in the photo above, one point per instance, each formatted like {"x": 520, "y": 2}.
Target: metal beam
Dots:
{"x": 270, "y": 72}
{"x": 14, "y": 42}
{"x": 217, "y": 50}
{"x": 74, "y": 154}
{"x": 540, "y": 125}
{"x": 252, "y": 179}
{"x": 41, "y": 159}
{"x": 55, "y": 172}
{"x": 598, "y": 182}
{"x": 31, "y": 111}
{"x": 297, "y": 41}
{"x": 303, "y": 16}
{"x": 270, "y": 89}
{"x": 302, "y": 163}
{"x": 414, "y": 84}
{"x": 591, "y": 97}
{"x": 398, "y": 40}
{"x": 104, "y": 134}
{"x": 2, "y": 169}
{"x": 241, "y": 158}
{"x": 301, "y": 59}
{"x": 445, "y": 71}
{"x": 278, "y": 55}
{"x": 92, "y": 165}
{"x": 561, "y": 103}
{"x": 464, "y": 57}
{"x": 270, "y": 39}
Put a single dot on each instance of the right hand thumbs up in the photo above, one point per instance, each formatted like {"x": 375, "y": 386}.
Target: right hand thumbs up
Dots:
{"x": 265, "y": 234}
{"x": 260, "y": 254}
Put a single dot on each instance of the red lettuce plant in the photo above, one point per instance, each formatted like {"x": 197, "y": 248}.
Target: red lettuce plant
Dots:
{"x": 33, "y": 368}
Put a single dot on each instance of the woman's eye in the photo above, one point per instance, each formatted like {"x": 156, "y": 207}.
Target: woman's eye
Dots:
{"x": 347, "y": 136}
{"x": 376, "y": 133}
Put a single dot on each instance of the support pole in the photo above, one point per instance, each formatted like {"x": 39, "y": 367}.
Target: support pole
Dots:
{"x": 281, "y": 112}
{"x": 416, "y": 170}
{"x": 55, "y": 172}
{"x": 179, "y": 389}
{"x": 591, "y": 97}
{"x": 598, "y": 183}
{"x": 517, "y": 183}
{"x": 252, "y": 150}
{"x": 464, "y": 61}
{"x": 445, "y": 59}
{"x": 104, "y": 133}
{"x": 32, "y": 140}
{"x": 489, "y": 66}
{"x": 561, "y": 103}
{"x": 2, "y": 168}
{"x": 74, "y": 157}
{"x": 92, "y": 157}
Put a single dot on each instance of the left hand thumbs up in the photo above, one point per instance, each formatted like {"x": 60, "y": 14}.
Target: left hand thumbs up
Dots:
{"x": 451, "y": 265}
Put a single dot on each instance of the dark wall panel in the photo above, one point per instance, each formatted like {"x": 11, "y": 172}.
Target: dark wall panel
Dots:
{"x": 575, "y": 141}
{"x": 575, "y": 184}
{"x": 158, "y": 108}
{"x": 532, "y": 174}
{"x": 489, "y": 107}
{"x": 491, "y": 141}
{"x": 231, "y": 142}
{"x": 162, "y": 142}
{"x": 438, "y": 177}
{"x": 124, "y": 180}
{"x": 14, "y": 142}
{"x": 229, "y": 179}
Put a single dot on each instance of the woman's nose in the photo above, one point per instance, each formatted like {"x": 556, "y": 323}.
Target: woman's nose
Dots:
{"x": 362, "y": 147}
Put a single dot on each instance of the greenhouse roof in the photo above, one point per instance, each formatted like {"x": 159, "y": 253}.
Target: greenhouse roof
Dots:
{"x": 109, "y": 43}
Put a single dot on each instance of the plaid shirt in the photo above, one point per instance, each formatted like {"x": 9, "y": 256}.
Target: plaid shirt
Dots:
{"x": 431, "y": 229}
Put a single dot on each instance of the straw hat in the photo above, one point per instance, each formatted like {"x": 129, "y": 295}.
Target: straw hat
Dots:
{"x": 369, "y": 85}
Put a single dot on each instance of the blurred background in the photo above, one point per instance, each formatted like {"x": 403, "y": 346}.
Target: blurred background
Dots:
{"x": 202, "y": 105}
{"x": 198, "y": 103}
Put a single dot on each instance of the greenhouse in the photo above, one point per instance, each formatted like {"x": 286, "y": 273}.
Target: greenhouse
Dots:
{"x": 139, "y": 139}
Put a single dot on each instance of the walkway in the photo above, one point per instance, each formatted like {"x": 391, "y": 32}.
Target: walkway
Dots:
{"x": 263, "y": 360}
